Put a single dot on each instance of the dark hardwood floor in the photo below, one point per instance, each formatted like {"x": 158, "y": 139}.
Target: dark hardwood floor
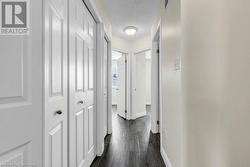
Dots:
{"x": 131, "y": 145}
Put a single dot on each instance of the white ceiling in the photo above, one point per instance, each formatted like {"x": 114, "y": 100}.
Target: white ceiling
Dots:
{"x": 138, "y": 13}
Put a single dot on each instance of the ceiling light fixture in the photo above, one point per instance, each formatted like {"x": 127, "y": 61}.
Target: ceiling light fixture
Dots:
{"x": 130, "y": 30}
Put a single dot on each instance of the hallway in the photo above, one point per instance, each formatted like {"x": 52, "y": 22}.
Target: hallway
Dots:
{"x": 131, "y": 145}
{"x": 64, "y": 64}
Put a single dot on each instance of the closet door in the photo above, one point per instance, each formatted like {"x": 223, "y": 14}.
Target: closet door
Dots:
{"x": 81, "y": 84}
{"x": 21, "y": 95}
{"x": 55, "y": 83}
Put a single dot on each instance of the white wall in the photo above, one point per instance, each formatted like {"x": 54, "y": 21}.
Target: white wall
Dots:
{"x": 148, "y": 81}
{"x": 98, "y": 6}
{"x": 206, "y": 105}
{"x": 121, "y": 44}
{"x": 216, "y": 63}
{"x": 172, "y": 116}
{"x": 140, "y": 44}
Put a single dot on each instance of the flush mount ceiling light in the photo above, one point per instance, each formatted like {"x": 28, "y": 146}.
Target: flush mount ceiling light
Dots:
{"x": 130, "y": 30}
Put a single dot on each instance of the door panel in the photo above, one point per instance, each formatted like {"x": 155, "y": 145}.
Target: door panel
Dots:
{"x": 80, "y": 137}
{"x": 56, "y": 141}
{"x": 90, "y": 69}
{"x": 139, "y": 87}
{"x": 121, "y": 86}
{"x": 21, "y": 95}
{"x": 56, "y": 44}
{"x": 81, "y": 84}
{"x": 79, "y": 47}
{"x": 90, "y": 128}
{"x": 17, "y": 156}
{"x": 55, "y": 83}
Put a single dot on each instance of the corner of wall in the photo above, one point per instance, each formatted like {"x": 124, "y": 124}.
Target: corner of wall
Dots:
{"x": 165, "y": 158}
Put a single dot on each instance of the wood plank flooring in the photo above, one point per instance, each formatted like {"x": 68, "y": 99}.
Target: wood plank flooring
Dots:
{"x": 131, "y": 145}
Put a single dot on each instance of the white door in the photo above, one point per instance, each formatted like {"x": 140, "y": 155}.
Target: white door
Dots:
{"x": 139, "y": 88}
{"x": 81, "y": 84}
{"x": 105, "y": 80}
{"x": 121, "y": 78}
{"x": 55, "y": 84}
{"x": 21, "y": 95}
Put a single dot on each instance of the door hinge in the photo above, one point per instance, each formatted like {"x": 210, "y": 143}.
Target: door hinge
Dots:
{"x": 126, "y": 61}
{"x": 126, "y": 111}
{"x": 158, "y": 122}
{"x": 158, "y": 50}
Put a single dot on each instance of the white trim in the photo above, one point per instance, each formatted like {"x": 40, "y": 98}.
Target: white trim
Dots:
{"x": 109, "y": 84}
{"x": 93, "y": 10}
{"x": 100, "y": 35}
{"x": 155, "y": 31}
{"x": 141, "y": 50}
{"x": 155, "y": 86}
{"x": 165, "y": 158}
{"x": 160, "y": 87}
{"x": 97, "y": 16}
{"x": 101, "y": 123}
{"x": 99, "y": 90}
{"x": 141, "y": 114}
{"x": 120, "y": 50}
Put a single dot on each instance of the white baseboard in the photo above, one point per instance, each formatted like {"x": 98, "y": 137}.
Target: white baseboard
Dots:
{"x": 165, "y": 158}
{"x": 141, "y": 114}
{"x": 154, "y": 129}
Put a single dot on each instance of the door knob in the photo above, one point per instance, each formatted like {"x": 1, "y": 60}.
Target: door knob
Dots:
{"x": 59, "y": 112}
{"x": 80, "y": 102}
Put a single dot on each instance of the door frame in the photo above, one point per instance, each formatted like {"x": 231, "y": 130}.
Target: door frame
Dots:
{"x": 156, "y": 98}
{"x": 109, "y": 83}
{"x": 127, "y": 82}
{"x": 99, "y": 95}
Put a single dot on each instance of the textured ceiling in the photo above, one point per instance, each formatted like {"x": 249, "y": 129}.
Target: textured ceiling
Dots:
{"x": 138, "y": 13}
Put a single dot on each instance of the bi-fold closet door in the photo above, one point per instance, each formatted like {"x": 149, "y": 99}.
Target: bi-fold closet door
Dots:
{"x": 21, "y": 58}
{"x": 82, "y": 35}
{"x": 46, "y": 93}
{"x": 69, "y": 84}
{"x": 55, "y": 83}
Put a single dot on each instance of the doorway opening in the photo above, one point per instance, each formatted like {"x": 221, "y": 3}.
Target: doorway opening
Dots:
{"x": 119, "y": 83}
